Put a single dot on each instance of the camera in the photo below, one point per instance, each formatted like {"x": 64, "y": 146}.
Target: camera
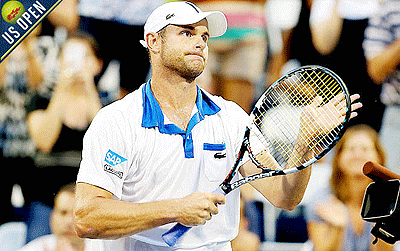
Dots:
{"x": 381, "y": 203}
{"x": 74, "y": 55}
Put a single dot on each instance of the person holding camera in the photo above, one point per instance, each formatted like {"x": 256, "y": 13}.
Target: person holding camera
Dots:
{"x": 58, "y": 123}
{"x": 333, "y": 218}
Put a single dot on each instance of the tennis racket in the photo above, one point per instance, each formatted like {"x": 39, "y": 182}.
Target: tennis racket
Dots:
{"x": 294, "y": 123}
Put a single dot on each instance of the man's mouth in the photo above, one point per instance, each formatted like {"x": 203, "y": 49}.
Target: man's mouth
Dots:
{"x": 196, "y": 56}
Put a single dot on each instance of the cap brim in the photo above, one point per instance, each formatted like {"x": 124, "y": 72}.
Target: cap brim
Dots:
{"x": 217, "y": 23}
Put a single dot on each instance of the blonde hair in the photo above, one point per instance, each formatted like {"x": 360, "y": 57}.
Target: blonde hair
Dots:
{"x": 338, "y": 182}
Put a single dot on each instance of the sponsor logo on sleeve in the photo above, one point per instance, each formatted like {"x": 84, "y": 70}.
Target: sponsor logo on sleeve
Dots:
{"x": 110, "y": 169}
{"x": 113, "y": 159}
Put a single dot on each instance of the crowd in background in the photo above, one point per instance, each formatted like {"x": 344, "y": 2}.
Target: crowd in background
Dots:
{"x": 86, "y": 54}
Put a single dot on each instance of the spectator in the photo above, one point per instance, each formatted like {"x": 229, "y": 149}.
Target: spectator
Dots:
{"x": 57, "y": 124}
{"x": 290, "y": 35}
{"x": 64, "y": 15}
{"x": 20, "y": 75}
{"x": 63, "y": 236}
{"x": 63, "y": 20}
{"x": 236, "y": 60}
{"x": 382, "y": 50}
{"x": 333, "y": 218}
{"x": 337, "y": 28}
{"x": 118, "y": 26}
{"x": 245, "y": 240}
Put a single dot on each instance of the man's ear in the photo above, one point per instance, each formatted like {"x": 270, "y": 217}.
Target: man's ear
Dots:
{"x": 98, "y": 66}
{"x": 154, "y": 41}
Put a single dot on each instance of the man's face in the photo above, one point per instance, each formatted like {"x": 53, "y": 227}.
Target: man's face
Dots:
{"x": 61, "y": 217}
{"x": 184, "y": 48}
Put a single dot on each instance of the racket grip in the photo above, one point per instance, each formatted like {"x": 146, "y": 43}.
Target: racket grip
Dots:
{"x": 172, "y": 236}
{"x": 378, "y": 172}
{"x": 219, "y": 190}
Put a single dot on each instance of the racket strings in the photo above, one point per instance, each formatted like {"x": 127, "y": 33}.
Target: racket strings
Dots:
{"x": 297, "y": 91}
{"x": 283, "y": 131}
{"x": 333, "y": 89}
{"x": 287, "y": 127}
{"x": 327, "y": 88}
{"x": 279, "y": 144}
{"x": 323, "y": 92}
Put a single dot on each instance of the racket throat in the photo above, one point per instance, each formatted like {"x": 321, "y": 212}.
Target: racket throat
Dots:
{"x": 254, "y": 177}
{"x": 226, "y": 188}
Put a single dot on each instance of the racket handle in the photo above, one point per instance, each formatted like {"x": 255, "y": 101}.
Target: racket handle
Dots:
{"x": 172, "y": 236}
{"x": 378, "y": 172}
{"x": 219, "y": 190}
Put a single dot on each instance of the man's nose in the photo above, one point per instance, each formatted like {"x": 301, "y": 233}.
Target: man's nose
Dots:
{"x": 200, "y": 43}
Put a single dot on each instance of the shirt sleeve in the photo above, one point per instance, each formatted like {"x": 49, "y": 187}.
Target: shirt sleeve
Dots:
{"x": 105, "y": 156}
{"x": 43, "y": 243}
{"x": 321, "y": 11}
{"x": 378, "y": 34}
{"x": 283, "y": 14}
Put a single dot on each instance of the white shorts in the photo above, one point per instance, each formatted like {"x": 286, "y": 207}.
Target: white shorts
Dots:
{"x": 130, "y": 244}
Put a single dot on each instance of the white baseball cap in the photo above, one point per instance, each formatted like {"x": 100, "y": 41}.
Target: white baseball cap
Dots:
{"x": 183, "y": 13}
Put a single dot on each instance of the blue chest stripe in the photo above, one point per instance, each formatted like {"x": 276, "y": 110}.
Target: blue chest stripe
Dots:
{"x": 153, "y": 117}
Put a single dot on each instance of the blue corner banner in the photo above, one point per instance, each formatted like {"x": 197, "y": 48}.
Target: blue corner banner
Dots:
{"x": 18, "y": 19}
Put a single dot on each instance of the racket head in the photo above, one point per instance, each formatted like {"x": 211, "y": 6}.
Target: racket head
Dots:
{"x": 277, "y": 121}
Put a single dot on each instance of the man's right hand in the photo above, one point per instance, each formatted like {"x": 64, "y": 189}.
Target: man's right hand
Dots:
{"x": 198, "y": 207}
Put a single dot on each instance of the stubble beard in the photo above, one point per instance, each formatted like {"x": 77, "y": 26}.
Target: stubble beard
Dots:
{"x": 188, "y": 70}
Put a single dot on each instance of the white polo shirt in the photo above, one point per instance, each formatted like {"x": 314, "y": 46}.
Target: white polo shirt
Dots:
{"x": 133, "y": 151}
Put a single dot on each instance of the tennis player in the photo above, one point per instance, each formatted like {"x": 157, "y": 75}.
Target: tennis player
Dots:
{"x": 152, "y": 159}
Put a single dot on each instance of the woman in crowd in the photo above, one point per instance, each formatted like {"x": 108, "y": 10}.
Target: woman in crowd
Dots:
{"x": 333, "y": 219}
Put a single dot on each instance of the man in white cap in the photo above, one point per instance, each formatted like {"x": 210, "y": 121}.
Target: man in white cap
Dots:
{"x": 153, "y": 158}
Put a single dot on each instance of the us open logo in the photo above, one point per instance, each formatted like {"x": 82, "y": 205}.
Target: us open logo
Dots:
{"x": 18, "y": 19}
{"x": 11, "y": 11}
{"x": 14, "y": 13}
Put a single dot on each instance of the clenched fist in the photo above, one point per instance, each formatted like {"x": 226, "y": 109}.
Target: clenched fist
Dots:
{"x": 198, "y": 207}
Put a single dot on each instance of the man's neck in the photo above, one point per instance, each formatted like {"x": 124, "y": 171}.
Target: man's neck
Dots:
{"x": 174, "y": 90}
{"x": 176, "y": 97}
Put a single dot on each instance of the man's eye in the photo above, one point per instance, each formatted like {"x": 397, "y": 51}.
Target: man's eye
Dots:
{"x": 187, "y": 33}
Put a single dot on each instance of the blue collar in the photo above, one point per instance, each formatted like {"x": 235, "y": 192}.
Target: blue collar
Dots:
{"x": 153, "y": 116}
